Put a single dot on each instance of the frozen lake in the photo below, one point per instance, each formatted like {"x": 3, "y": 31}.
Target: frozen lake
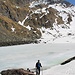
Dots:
{"x": 25, "y": 56}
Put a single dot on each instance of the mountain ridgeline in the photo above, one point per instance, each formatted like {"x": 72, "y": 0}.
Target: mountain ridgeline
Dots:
{"x": 21, "y": 20}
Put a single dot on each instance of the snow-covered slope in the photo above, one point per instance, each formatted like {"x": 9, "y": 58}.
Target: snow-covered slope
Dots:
{"x": 61, "y": 32}
{"x": 61, "y": 24}
{"x": 68, "y": 69}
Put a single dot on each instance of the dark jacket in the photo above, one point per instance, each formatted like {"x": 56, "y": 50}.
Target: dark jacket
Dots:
{"x": 38, "y": 65}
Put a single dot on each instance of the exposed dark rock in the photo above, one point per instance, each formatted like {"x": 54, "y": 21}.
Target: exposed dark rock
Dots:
{"x": 69, "y": 19}
{"x": 67, "y": 61}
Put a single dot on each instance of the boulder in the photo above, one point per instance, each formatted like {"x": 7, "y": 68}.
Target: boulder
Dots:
{"x": 17, "y": 72}
{"x": 67, "y": 61}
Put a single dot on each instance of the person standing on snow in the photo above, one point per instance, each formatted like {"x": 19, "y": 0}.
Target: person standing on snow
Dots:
{"x": 38, "y": 65}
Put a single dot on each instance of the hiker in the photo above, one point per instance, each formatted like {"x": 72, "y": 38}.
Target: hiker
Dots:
{"x": 38, "y": 65}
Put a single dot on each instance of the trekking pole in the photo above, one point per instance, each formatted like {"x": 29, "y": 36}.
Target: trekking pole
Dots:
{"x": 42, "y": 70}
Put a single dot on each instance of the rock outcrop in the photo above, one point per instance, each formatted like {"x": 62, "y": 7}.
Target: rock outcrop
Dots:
{"x": 17, "y": 72}
{"x": 67, "y": 61}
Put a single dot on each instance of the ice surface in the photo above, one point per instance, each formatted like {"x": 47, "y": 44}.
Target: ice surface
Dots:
{"x": 25, "y": 56}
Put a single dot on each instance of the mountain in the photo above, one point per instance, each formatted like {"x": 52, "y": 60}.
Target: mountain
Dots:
{"x": 33, "y": 21}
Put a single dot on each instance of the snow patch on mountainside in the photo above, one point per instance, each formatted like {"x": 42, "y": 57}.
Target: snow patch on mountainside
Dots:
{"x": 22, "y": 23}
{"x": 35, "y": 3}
{"x": 13, "y": 29}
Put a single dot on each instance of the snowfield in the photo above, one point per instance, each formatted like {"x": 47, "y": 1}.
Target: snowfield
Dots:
{"x": 51, "y": 55}
{"x": 68, "y": 69}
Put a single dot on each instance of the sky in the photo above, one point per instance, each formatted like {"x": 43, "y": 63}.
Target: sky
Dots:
{"x": 71, "y": 1}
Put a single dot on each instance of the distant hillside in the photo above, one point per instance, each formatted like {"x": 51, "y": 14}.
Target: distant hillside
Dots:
{"x": 21, "y": 20}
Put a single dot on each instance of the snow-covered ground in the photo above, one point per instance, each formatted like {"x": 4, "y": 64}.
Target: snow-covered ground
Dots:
{"x": 68, "y": 69}
{"x": 25, "y": 56}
